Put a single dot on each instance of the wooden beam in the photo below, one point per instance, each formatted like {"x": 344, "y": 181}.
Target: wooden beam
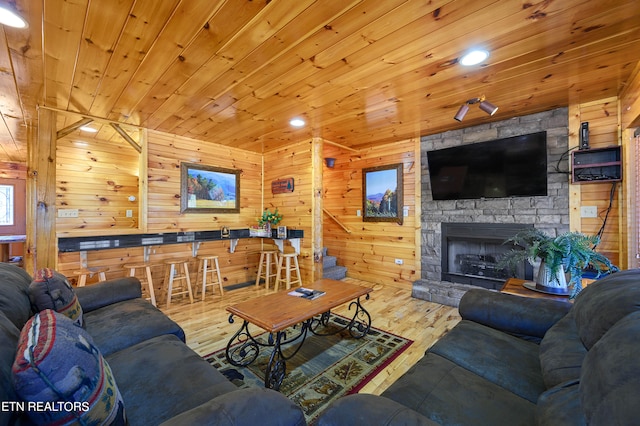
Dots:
{"x": 346, "y": 148}
{"x": 71, "y": 128}
{"x": 126, "y": 137}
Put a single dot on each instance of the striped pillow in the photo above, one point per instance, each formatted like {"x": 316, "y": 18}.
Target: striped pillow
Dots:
{"x": 51, "y": 290}
{"x": 62, "y": 376}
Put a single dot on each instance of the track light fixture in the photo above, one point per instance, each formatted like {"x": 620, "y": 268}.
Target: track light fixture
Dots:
{"x": 485, "y": 105}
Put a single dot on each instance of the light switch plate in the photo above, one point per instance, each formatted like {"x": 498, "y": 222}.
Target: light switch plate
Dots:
{"x": 67, "y": 212}
{"x": 589, "y": 211}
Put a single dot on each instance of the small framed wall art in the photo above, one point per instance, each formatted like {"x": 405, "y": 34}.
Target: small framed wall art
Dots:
{"x": 382, "y": 193}
{"x": 208, "y": 189}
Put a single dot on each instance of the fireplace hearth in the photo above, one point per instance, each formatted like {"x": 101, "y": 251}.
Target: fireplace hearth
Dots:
{"x": 471, "y": 253}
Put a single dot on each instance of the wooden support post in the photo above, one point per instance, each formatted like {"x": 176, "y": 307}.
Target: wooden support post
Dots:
{"x": 41, "y": 250}
{"x": 316, "y": 228}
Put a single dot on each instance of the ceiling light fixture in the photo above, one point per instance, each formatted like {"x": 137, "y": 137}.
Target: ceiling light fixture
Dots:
{"x": 474, "y": 57}
{"x": 10, "y": 17}
{"x": 485, "y": 105}
{"x": 297, "y": 122}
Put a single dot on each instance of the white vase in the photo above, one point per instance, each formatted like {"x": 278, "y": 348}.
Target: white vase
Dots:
{"x": 547, "y": 282}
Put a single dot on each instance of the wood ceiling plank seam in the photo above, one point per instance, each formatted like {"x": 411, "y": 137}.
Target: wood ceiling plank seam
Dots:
{"x": 370, "y": 24}
{"x": 60, "y": 55}
{"x": 344, "y": 78}
{"x": 231, "y": 53}
{"x": 134, "y": 96}
{"x": 267, "y": 108}
{"x": 220, "y": 87}
{"x": 103, "y": 29}
{"x": 343, "y": 25}
{"x": 138, "y": 35}
{"x": 539, "y": 70}
{"x": 195, "y": 56}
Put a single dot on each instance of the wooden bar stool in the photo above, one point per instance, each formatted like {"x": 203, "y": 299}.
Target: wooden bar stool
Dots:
{"x": 146, "y": 280}
{"x": 173, "y": 275}
{"x": 82, "y": 274}
{"x": 287, "y": 269}
{"x": 209, "y": 265}
{"x": 267, "y": 258}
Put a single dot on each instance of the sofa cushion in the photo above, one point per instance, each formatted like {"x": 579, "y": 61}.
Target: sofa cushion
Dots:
{"x": 610, "y": 375}
{"x": 447, "y": 393}
{"x": 560, "y": 406}
{"x": 51, "y": 290}
{"x": 9, "y": 334}
{"x": 14, "y": 297}
{"x": 164, "y": 369}
{"x": 561, "y": 353}
{"x": 498, "y": 357}
{"x": 135, "y": 320}
{"x": 57, "y": 363}
{"x": 605, "y": 302}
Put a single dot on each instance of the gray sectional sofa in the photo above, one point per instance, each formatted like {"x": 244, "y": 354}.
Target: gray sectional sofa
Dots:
{"x": 160, "y": 379}
{"x": 521, "y": 361}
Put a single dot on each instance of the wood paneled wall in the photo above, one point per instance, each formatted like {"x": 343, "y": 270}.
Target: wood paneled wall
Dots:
{"x": 162, "y": 207}
{"x": 370, "y": 249}
{"x": 96, "y": 176}
{"x": 604, "y": 131}
{"x": 295, "y": 161}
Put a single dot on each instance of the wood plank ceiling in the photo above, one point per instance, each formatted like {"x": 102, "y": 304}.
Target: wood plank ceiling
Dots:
{"x": 361, "y": 72}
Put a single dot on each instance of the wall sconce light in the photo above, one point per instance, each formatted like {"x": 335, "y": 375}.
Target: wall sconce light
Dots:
{"x": 485, "y": 105}
{"x": 132, "y": 198}
{"x": 330, "y": 162}
{"x": 9, "y": 16}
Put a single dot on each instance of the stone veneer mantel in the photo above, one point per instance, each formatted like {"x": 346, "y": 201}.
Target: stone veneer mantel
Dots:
{"x": 549, "y": 213}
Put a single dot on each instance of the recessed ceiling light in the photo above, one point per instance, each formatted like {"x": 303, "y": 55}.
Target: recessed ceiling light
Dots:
{"x": 10, "y": 17}
{"x": 89, "y": 129}
{"x": 297, "y": 122}
{"x": 474, "y": 57}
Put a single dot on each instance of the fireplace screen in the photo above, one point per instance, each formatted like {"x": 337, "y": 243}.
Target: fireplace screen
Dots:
{"x": 471, "y": 254}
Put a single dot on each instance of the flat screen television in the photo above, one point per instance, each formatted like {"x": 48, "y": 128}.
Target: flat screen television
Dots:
{"x": 509, "y": 167}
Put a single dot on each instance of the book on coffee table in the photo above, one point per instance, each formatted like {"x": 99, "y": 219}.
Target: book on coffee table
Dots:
{"x": 306, "y": 293}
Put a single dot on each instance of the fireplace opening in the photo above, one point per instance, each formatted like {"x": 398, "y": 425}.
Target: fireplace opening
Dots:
{"x": 471, "y": 253}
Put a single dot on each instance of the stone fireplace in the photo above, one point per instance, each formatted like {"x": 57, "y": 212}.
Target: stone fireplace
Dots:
{"x": 549, "y": 213}
{"x": 471, "y": 253}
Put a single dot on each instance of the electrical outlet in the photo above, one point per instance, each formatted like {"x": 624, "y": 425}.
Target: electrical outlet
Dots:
{"x": 67, "y": 212}
{"x": 129, "y": 213}
{"x": 399, "y": 261}
{"x": 357, "y": 212}
{"x": 589, "y": 211}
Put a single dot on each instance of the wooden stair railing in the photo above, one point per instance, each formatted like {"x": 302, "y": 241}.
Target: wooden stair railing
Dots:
{"x": 336, "y": 220}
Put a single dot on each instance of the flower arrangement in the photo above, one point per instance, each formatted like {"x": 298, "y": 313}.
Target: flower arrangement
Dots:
{"x": 270, "y": 218}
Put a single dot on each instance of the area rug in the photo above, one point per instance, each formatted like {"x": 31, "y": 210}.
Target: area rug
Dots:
{"x": 324, "y": 369}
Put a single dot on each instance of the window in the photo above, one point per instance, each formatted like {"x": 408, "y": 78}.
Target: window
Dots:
{"x": 6, "y": 205}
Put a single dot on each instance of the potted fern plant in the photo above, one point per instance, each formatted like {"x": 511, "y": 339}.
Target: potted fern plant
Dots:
{"x": 569, "y": 253}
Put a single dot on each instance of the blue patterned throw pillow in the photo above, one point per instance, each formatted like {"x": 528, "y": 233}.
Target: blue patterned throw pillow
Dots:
{"x": 51, "y": 290}
{"x": 62, "y": 376}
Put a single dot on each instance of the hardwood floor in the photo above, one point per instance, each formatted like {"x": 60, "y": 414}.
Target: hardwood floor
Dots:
{"x": 393, "y": 309}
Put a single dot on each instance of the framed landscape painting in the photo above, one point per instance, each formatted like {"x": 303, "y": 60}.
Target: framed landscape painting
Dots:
{"x": 207, "y": 189}
{"x": 382, "y": 193}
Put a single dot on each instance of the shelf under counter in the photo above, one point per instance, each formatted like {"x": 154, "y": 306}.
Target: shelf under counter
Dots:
{"x": 105, "y": 242}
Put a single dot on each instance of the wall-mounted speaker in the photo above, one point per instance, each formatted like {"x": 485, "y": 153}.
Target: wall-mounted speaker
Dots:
{"x": 584, "y": 135}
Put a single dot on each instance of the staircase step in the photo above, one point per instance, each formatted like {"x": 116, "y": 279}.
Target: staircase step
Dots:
{"x": 334, "y": 272}
{"x": 329, "y": 261}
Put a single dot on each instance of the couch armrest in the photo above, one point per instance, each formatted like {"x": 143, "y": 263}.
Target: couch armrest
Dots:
{"x": 243, "y": 407}
{"x": 108, "y": 292}
{"x": 521, "y": 316}
{"x": 371, "y": 410}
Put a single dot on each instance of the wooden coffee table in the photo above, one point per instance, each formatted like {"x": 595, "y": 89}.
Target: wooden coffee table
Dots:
{"x": 276, "y": 312}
